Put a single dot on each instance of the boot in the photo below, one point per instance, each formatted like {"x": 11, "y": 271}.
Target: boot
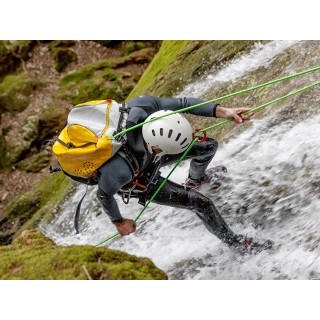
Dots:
{"x": 246, "y": 245}
{"x": 212, "y": 175}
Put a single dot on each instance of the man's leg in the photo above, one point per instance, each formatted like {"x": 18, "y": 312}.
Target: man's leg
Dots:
{"x": 175, "y": 195}
{"x": 200, "y": 154}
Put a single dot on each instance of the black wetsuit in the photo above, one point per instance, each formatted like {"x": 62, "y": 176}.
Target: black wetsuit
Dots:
{"x": 116, "y": 172}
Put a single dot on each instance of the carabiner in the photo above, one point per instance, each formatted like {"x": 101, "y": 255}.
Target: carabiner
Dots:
{"x": 204, "y": 135}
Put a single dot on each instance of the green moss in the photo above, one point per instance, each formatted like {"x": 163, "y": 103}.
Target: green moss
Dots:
{"x": 15, "y": 91}
{"x": 21, "y": 48}
{"x": 8, "y": 62}
{"x": 94, "y": 81}
{"x": 32, "y": 256}
{"x": 52, "y": 119}
{"x": 36, "y": 162}
{"x": 179, "y": 62}
{"x": 133, "y": 46}
{"x": 109, "y": 75}
{"x": 28, "y": 209}
{"x": 17, "y": 148}
{"x": 23, "y": 206}
{"x": 52, "y": 191}
{"x": 102, "y": 79}
{"x": 63, "y": 58}
{"x": 167, "y": 54}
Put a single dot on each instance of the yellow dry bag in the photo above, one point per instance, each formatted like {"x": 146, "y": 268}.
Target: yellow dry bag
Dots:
{"x": 86, "y": 142}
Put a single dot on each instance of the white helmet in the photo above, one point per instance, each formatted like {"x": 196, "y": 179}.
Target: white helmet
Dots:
{"x": 171, "y": 134}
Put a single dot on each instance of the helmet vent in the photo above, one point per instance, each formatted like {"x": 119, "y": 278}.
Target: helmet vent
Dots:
{"x": 153, "y": 132}
{"x": 185, "y": 139}
{"x": 178, "y": 136}
{"x": 170, "y": 133}
{"x": 184, "y": 146}
{"x": 161, "y": 132}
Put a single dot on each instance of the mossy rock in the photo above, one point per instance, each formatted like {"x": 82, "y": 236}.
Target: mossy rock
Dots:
{"x": 63, "y": 58}
{"x": 103, "y": 79}
{"x": 108, "y": 43}
{"x": 21, "y": 48}
{"x": 34, "y": 257}
{"x": 2, "y": 150}
{"x": 177, "y": 63}
{"x": 36, "y": 162}
{"x": 87, "y": 83}
{"x": 52, "y": 119}
{"x": 18, "y": 147}
{"x": 132, "y": 47}
{"x": 15, "y": 92}
{"x": 8, "y": 62}
{"x": 28, "y": 209}
{"x": 166, "y": 56}
{"x": 33, "y": 133}
{"x": 17, "y": 213}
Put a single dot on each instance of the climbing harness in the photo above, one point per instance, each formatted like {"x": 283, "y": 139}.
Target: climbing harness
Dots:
{"x": 140, "y": 185}
{"x": 197, "y": 139}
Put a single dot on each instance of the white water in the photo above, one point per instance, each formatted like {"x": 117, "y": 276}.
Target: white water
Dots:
{"x": 261, "y": 55}
{"x": 271, "y": 192}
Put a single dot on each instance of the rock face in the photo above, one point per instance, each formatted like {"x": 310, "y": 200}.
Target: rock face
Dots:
{"x": 34, "y": 257}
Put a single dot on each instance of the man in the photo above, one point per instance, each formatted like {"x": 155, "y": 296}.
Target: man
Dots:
{"x": 150, "y": 147}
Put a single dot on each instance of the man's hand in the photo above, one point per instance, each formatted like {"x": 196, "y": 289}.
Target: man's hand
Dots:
{"x": 236, "y": 114}
{"x": 125, "y": 227}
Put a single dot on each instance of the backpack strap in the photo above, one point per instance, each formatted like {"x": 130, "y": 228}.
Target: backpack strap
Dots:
{"x": 124, "y": 110}
{"x": 131, "y": 160}
{"x": 77, "y": 215}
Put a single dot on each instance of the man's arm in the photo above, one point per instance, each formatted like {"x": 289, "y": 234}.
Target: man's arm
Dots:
{"x": 152, "y": 104}
{"x": 114, "y": 174}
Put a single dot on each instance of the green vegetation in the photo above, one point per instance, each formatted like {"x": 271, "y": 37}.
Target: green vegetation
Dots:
{"x": 166, "y": 56}
{"x": 20, "y": 48}
{"x": 179, "y": 62}
{"x": 34, "y": 257}
{"x": 103, "y": 79}
{"x": 36, "y": 162}
{"x": 8, "y": 62}
{"x": 15, "y": 91}
{"x": 62, "y": 58}
{"x": 27, "y": 210}
{"x": 133, "y": 46}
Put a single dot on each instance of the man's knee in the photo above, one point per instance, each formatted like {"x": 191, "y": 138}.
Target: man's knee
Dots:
{"x": 212, "y": 145}
{"x": 198, "y": 201}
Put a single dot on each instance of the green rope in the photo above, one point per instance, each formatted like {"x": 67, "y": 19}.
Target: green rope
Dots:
{"x": 196, "y": 139}
{"x": 219, "y": 99}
